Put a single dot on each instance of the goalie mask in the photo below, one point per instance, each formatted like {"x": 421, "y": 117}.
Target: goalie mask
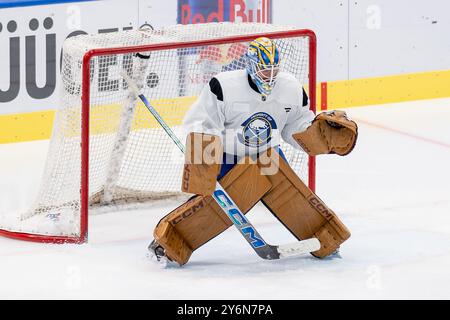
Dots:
{"x": 263, "y": 63}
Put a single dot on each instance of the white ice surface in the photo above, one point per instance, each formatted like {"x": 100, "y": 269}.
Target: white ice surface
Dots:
{"x": 392, "y": 191}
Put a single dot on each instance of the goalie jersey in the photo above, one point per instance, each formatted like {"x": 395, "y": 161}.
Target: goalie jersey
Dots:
{"x": 248, "y": 122}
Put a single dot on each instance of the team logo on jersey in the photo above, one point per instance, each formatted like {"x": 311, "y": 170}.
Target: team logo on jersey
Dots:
{"x": 257, "y": 130}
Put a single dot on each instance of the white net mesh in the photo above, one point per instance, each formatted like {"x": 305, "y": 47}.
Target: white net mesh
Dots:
{"x": 130, "y": 157}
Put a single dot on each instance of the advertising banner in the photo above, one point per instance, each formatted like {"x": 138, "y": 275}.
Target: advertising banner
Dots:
{"x": 31, "y": 39}
{"x": 200, "y": 11}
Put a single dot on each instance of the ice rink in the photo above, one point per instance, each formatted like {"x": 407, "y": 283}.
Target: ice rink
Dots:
{"x": 392, "y": 191}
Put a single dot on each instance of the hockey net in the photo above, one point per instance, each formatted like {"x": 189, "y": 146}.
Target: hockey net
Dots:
{"x": 107, "y": 149}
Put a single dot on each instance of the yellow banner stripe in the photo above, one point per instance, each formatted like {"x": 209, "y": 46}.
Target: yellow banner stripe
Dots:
{"x": 390, "y": 89}
{"x": 341, "y": 94}
{"x": 104, "y": 119}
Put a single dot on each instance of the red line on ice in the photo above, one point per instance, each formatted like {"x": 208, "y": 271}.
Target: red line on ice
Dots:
{"x": 407, "y": 134}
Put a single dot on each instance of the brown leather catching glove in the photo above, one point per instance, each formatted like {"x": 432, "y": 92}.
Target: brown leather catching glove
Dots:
{"x": 203, "y": 158}
{"x": 330, "y": 132}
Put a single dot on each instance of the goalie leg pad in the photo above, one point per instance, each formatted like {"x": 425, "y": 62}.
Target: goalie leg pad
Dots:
{"x": 202, "y": 163}
{"x": 200, "y": 219}
{"x": 302, "y": 212}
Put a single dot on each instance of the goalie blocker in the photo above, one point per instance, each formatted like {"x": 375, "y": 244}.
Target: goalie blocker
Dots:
{"x": 269, "y": 179}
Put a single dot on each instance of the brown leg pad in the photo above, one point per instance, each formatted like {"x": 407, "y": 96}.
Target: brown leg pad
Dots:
{"x": 200, "y": 219}
{"x": 302, "y": 212}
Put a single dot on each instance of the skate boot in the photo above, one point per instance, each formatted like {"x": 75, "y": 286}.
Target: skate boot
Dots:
{"x": 157, "y": 251}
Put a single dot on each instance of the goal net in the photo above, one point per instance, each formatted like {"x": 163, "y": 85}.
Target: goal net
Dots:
{"x": 107, "y": 149}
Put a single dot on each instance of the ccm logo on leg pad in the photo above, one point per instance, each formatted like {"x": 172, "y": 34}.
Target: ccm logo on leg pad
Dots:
{"x": 320, "y": 207}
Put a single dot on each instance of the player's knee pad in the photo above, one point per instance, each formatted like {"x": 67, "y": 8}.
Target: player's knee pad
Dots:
{"x": 300, "y": 210}
{"x": 200, "y": 219}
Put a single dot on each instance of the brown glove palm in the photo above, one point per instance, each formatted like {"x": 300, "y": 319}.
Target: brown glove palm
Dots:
{"x": 330, "y": 132}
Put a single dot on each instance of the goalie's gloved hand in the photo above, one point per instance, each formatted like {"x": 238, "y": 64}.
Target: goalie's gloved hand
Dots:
{"x": 330, "y": 132}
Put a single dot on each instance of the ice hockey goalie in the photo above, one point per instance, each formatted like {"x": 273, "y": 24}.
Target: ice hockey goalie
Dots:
{"x": 234, "y": 130}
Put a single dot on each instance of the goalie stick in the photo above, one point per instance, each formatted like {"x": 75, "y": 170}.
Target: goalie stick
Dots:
{"x": 246, "y": 229}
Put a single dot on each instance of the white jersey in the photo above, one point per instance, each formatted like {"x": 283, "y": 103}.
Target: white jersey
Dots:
{"x": 247, "y": 124}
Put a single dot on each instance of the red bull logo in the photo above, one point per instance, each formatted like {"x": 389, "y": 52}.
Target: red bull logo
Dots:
{"x": 201, "y": 11}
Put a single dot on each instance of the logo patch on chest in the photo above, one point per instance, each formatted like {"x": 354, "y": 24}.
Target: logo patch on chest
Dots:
{"x": 257, "y": 130}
